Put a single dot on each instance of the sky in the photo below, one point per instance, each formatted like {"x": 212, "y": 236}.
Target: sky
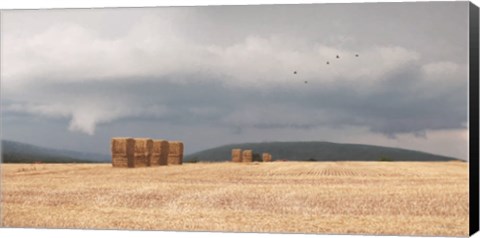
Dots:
{"x": 210, "y": 76}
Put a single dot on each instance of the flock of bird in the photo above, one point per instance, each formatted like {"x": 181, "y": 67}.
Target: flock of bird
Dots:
{"x": 328, "y": 62}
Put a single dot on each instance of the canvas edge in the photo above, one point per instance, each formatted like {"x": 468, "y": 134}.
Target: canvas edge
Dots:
{"x": 473, "y": 119}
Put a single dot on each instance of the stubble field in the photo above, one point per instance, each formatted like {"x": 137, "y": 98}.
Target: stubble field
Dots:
{"x": 388, "y": 198}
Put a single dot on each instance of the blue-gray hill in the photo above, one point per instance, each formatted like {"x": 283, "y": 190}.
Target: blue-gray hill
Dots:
{"x": 318, "y": 151}
{"x": 17, "y": 152}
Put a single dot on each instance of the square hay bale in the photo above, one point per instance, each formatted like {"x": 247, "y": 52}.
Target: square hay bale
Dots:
{"x": 122, "y": 151}
{"x": 143, "y": 152}
{"x": 236, "y": 155}
{"x": 247, "y": 156}
{"x": 175, "y": 152}
{"x": 159, "y": 153}
{"x": 267, "y": 157}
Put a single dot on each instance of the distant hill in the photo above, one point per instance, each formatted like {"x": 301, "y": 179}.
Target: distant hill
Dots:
{"x": 17, "y": 152}
{"x": 318, "y": 151}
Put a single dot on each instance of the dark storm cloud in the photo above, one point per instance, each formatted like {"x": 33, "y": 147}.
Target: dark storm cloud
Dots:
{"x": 397, "y": 104}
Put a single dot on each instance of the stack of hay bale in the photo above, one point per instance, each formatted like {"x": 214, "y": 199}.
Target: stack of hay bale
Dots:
{"x": 145, "y": 152}
{"x": 237, "y": 155}
{"x": 175, "y": 152}
{"x": 267, "y": 157}
{"x": 247, "y": 156}
{"x": 159, "y": 153}
{"x": 122, "y": 152}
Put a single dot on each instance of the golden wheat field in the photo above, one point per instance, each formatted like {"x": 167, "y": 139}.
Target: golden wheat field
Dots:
{"x": 388, "y": 198}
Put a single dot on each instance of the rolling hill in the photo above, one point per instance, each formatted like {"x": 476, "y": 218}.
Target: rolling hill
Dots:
{"x": 17, "y": 152}
{"x": 318, "y": 151}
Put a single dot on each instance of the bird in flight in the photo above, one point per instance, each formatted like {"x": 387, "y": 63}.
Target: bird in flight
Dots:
{"x": 327, "y": 62}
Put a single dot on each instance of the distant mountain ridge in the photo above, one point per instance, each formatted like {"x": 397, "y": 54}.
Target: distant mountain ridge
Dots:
{"x": 18, "y": 152}
{"x": 318, "y": 151}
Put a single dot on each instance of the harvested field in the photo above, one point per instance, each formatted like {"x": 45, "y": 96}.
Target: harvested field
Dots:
{"x": 388, "y": 198}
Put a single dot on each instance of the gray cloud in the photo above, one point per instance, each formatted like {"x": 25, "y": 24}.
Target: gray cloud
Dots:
{"x": 390, "y": 107}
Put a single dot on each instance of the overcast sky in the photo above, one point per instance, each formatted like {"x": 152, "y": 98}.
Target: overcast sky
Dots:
{"x": 210, "y": 76}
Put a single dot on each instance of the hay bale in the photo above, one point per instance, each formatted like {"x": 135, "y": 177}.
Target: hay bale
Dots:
{"x": 143, "y": 152}
{"x": 175, "y": 152}
{"x": 236, "y": 155}
{"x": 247, "y": 156}
{"x": 122, "y": 149}
{"x": 267, "y": 157}
{"x": 159, "y": 153}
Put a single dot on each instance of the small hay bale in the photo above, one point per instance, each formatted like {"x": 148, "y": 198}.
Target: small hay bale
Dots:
{"x": 247, "y": 156}
{"x": 122, "y": 149}
{"x": 175, "y": 152}
{"x": 143, "y": 152}
{"x": 237, "y": 155}
{"x": 267, "y": 157}
{"x": 159, "y": 153}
